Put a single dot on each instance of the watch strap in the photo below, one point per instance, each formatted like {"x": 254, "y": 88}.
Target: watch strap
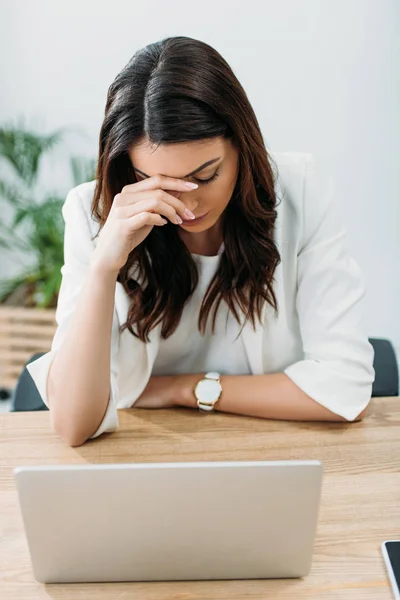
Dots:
{"x": 212, "y": 375}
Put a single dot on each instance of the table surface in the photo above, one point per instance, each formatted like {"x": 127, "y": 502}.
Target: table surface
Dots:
{"x": 360, "y": 504}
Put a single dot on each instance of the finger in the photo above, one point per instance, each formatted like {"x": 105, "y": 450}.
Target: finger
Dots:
{"x": 145, "y": 218}
{"x": 177, "y": 204}
{"x": 157, "y": 197}
{"x": 151, "y": 205}
{"x": 160, "y": 182}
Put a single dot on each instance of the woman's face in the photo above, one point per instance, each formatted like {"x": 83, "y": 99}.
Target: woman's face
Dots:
{"x": 212, "y": 164}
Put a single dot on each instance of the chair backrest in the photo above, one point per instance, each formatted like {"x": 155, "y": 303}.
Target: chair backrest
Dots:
{"x": 25, "y": 396}
{"x": 386, "y": 369}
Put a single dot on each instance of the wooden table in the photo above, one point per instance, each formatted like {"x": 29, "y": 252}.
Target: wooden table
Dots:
{"x": 360, "y": 500}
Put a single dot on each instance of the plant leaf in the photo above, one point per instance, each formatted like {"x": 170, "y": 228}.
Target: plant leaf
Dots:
{"x": 19, "y": 216}
{"x": 7, "y": 286}
{"x": 23, "y": 149}
{"x": 11, "y": 241}
{"x": 12, "y": 194}
{"x": 49, "y": 288}
{"x": 83, "y": 169}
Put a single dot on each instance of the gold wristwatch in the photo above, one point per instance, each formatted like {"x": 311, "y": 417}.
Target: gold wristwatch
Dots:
{"x": 208, "y": 391}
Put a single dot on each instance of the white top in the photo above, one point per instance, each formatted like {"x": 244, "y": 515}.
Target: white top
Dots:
{"x": 318, "y": 338}
{"x": 188, "y": 351}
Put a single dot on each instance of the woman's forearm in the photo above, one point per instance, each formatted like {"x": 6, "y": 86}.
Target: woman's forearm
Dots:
{"x": 272, "y": 396}
{"x": 78, "y": 384}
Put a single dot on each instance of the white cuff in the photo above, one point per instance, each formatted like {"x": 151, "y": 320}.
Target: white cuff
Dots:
{"x": 39, "y": 370}
{"x": 110, "y": 420}
{"x": 346, "y": 397}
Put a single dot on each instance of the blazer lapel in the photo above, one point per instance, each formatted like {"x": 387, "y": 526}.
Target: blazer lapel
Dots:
{"x": 253, "y": 343}
{"x": 253, "y": 339}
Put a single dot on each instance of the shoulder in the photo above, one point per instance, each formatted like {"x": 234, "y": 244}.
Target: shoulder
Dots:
{"x": 304, "y": 190}
{"x": 78, "y": 204}
{"x": 301, "y": 175}
{"x": 81, "y": 197}
{"x": 295, "y": 172}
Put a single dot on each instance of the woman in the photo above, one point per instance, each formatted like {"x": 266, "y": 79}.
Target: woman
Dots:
{"x": 201, "y": 270}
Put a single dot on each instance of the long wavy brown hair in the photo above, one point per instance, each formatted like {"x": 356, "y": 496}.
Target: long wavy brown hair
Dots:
{"x": 180, "y": 90}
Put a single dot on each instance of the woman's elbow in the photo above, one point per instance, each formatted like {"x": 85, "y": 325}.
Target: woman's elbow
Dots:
{"x": 70, "y": 435}
{"x": 357, "y": 418}
{"x": 72, "y": 438}
{"x": 335, "y": 417}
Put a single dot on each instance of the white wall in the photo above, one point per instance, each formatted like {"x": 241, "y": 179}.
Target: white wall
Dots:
{"x": 323, "y": 77}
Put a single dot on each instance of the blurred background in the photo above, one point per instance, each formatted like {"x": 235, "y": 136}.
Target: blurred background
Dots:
{"x": 323, "y": 77}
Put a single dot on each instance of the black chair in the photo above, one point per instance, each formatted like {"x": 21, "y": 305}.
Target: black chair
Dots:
{"x": 26, "y": 396}
{"x": 386, "y": 369}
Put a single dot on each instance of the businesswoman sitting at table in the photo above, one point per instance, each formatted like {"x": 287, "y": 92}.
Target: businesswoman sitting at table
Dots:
{"x": 200, "y": 269}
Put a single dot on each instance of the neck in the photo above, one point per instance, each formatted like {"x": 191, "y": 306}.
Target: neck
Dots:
{"x": 205, "y": 243}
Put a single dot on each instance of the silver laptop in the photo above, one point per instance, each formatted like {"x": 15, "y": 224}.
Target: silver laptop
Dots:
{"x": 170, "y": 521}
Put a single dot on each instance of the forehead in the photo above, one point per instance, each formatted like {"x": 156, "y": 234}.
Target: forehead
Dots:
{"x": 175, "y": 160}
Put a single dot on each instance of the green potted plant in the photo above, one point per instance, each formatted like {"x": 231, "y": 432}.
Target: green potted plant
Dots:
{"x": 33, "y": 233}
{"x": 35, "y": 230}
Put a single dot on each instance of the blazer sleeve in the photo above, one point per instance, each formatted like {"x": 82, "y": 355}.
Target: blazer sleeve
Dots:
{"x": 78, "y": 247}
{"x": 337, "y": 366}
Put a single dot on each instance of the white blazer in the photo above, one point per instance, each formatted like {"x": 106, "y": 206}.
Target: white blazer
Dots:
{"x": 318, "y": 337}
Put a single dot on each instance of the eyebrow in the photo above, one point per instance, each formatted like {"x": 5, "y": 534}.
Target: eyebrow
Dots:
{"x": 206, "y": 164}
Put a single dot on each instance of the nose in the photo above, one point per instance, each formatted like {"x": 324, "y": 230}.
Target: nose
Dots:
{"x": 189, "y": 201}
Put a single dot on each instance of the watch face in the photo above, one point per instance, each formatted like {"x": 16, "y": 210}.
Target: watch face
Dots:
{"x": 208, "y": 391}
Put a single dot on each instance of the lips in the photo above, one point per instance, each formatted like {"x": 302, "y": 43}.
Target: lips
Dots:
{"x": 196, "y": 219}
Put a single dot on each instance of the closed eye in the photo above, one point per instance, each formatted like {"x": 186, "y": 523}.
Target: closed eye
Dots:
{"x": 196, "y": 179}
{"x": 205, "y": 181}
